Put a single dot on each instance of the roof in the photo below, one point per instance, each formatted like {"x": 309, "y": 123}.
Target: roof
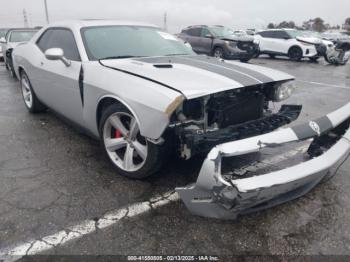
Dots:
{"x": 279, "y": 29}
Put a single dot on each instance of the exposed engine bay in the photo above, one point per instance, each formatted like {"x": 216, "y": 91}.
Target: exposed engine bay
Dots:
{"x": 204, "y": 122}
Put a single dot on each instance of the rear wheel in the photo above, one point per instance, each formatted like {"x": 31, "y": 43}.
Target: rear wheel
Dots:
{"x": 30, "y": 99}
{"x": 295, "y": 53}
{"x": 132, "y": 154}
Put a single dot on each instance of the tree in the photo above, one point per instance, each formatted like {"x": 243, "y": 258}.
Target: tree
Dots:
{"x": 271, "y": 26}
{"x": 347, "y": 21}
{"x": 286, "y": 24}
{"x": 283, "y": 24}
{"x": 307, "y": 25}
{"x": 347, "y": 24}
{"x": 292, "y": 24}
{"x": 318, "y": 25}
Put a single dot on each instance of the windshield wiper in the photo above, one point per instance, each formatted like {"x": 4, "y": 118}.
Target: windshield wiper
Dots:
{"x": 119, "y": 57}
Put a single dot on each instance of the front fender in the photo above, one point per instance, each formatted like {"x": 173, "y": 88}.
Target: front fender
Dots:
{"x": 148, "y": 101}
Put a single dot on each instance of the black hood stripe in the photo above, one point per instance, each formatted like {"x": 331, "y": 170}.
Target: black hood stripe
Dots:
{"x": 263, "y": 78}
{"x": 239, "y": 74}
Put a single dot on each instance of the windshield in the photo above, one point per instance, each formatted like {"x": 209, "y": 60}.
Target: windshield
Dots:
{"x": 220, "y": 31}
{"x": 128, "y": 41}
{"x": 295, "y": 33}
{"x": 21, "y": 36}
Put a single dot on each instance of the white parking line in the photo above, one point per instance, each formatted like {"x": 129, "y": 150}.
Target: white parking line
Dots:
{"x": 36, "y": 246}
{"x": 323, "y": 84}
{"x": 86, "y": 227}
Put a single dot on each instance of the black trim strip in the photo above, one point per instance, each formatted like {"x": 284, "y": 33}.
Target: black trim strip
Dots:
{"x": 140, "y": 76}
{"x": 81, "y": 84}
{"x": 252, "y": 73}
{"x": 232, "y": 74}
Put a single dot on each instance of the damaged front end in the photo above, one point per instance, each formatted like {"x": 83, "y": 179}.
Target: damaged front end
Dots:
{"x": 218, "y": 195}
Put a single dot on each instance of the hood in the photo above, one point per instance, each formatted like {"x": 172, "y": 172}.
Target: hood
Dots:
{"x": 196, "y": 76}
{"x": 246, "y": 38}
{"x": 310, "y": 40}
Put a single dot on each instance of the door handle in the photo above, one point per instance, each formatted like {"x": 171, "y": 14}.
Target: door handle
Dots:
{"x": 42, "y": 63}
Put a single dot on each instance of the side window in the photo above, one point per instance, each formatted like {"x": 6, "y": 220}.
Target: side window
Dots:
{"x": 194, "y": 31}
{"x": 205, "y": 32}
{"x": 43, "y": 41}
{"x": 280, "y": 34}
{"x": 265, "y": 34}
{"x": 60, "y": 38}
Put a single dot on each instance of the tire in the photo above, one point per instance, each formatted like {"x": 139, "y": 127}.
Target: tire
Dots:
{"x": 132, "y": 156}
{"x": 244, "y": 60}
{"x": 314, "y": 59}
{"x": 295, "y": 53}
{"x": 218, "y": 52}
{"x": 256, "y": 55}
{"x": 31, "y": 101}
{"x": 272, "y": 56}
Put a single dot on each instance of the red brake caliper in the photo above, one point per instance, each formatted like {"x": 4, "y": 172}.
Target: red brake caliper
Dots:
{"x": 117, "y": 134}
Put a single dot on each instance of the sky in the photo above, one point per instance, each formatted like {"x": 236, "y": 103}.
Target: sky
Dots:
{"x": 240, "y": 14}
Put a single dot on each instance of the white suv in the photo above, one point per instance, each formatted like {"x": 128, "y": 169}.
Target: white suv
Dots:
{"x": 291, "y": 43}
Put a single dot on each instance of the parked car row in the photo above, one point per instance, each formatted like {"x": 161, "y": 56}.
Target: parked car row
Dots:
{"x": 9, "y": 40}
{"x": 220, "y": 42}
{"x": 223, "y": 42}
{"x": 144, "y": 93}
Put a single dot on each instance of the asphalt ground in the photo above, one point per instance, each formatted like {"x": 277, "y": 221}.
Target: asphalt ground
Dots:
{"x": 59, "y": 194}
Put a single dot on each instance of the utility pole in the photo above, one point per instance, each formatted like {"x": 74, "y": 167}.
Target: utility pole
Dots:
{"x": 46, "y": 12}
{"x": 165, "y": 26}
{"x": 25, "y": 18}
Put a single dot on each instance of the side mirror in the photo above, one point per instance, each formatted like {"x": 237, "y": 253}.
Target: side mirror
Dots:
{"x": 2, "y": 40}
{"x": 286, "y": 38}
{"x": 56, "y": 54}
{"x": 209, "y": 36}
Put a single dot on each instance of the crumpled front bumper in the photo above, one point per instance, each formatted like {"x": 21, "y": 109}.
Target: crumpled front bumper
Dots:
{"x": 217, "y": 196}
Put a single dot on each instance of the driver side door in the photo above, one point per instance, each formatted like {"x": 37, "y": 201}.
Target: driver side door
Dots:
{"x": 56, "y": 84}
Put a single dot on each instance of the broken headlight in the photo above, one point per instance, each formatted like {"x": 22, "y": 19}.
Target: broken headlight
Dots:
{"x": 282, "y": 91}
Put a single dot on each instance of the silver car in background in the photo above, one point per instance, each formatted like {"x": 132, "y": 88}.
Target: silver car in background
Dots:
{"x": 143, "y": 92}
{"x": 3, "y": 32}
{"x": 13, "y": 38}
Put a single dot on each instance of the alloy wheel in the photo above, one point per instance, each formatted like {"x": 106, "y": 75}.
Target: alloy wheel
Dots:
{"x": 27, "y": 92}
{"x": 124, "y": 145}
{"x": 218, "y": 53}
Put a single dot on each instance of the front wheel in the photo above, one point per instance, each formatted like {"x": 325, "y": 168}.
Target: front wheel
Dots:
{"x": 132, "y": 154}
{"x": 295, "y": 54}
{"x": 218, "y": 52}
{"x": 244, "y": 60}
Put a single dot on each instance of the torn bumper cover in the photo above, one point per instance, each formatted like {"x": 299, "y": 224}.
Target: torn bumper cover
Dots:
{"x": 218, "y": 196}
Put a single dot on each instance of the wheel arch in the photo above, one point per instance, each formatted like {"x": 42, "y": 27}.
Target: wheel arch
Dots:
{"x": 295, "y": 46}
{"x": 107, "y": 100}
{"x": 216, "y": 45}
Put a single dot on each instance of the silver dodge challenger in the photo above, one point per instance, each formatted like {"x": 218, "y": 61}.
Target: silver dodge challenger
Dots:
{"x": 144, "y": 93}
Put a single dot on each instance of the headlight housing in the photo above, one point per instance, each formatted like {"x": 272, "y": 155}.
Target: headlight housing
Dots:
{"x": 282, "y": 91}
